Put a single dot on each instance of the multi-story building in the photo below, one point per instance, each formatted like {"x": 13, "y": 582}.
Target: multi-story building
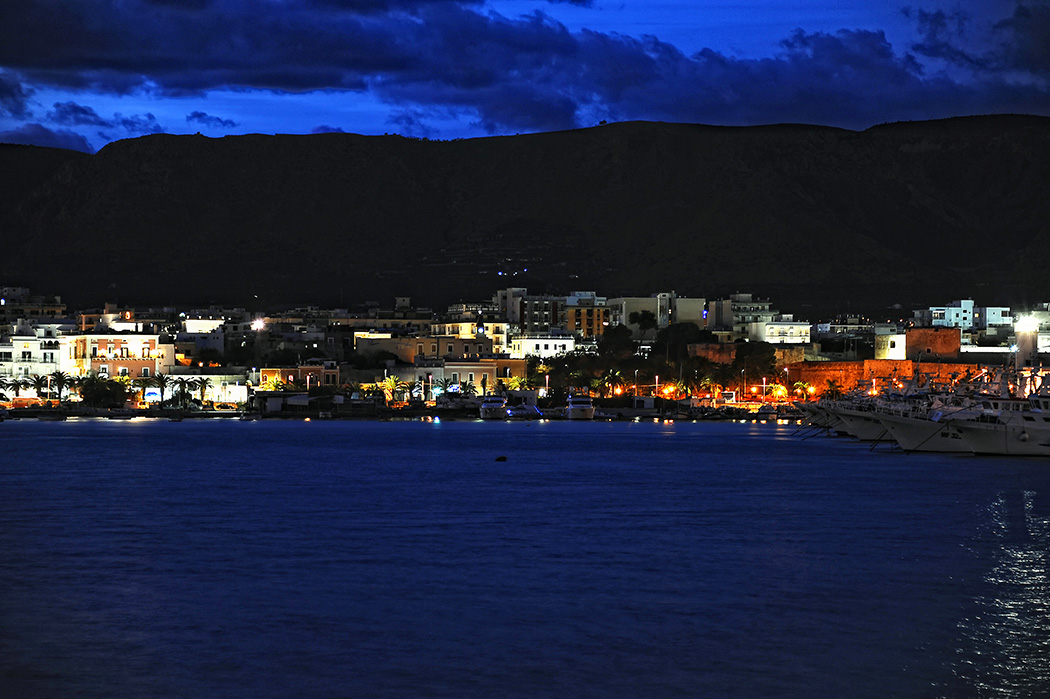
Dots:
{"x": 135, "y": 355}
{"x": 33, "y": 348}
{"x": 16, "y": 302}
{"x": 497, "y": 331}
{"x": 584, "y": 314}
{"x": 738, "y": 312}
{"x": 541, "y": 345}
{"x": 667, "y": 308}
{"x": 783, "y": 331}
{"x": 964, "y": 315}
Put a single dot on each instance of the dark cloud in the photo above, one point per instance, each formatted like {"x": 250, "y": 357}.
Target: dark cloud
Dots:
{"x": 138, "y": 123}
{"x": 411, "y": 122}
{"x": 519, "y": 74}
{"x": 73, "y": 114}
{"x": 1026, "y": 39}
{"x": 13, "y": 96}
{"x": 1019, "y": 43}
{"x": 39, "y": 135}
{"x": 326, "y": 129}
{"x": 209, "y": 120}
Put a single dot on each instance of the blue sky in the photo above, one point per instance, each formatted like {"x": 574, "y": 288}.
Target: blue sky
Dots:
{"x": 81, "y": 73}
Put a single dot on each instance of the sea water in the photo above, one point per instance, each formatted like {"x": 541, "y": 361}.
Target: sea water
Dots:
{"x": 409, "y": 559}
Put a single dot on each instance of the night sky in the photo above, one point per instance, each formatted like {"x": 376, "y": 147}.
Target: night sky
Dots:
{"x": 81, "y": 73}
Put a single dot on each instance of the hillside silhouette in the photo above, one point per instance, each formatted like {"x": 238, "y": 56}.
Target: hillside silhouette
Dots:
{"x": 822, "y": 219}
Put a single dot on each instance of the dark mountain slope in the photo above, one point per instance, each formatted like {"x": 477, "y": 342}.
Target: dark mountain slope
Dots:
{"x": 908, "y": 213}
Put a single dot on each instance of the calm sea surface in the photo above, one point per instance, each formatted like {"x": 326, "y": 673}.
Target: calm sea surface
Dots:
{"x": 401, "y": 559}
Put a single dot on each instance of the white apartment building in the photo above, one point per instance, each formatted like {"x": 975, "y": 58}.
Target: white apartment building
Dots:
{"x": 541, "y": 345}
{"x": 964, "y": 315}
{"x": 779, "y": 332}
{"x": 33, "y": 348}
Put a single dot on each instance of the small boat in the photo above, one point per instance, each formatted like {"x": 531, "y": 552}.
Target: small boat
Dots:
{"x": 175, "y": 418}
{"x": 493, "y": 408}
{"x": 524, "y": 412}
{"x": 51, "y": 417}
{"x": 579, "y": 408}
{"x": 248, "y": 417}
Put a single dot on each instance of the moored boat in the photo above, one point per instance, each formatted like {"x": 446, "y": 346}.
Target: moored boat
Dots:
{"x": 1012, "y": 437}
{"x": 579, "y": 408}
{"x": 923, "y": 434}
{"x": 493, "y": 407}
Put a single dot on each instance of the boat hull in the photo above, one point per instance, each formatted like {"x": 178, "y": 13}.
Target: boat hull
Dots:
{"x": 919, "y": 434}
{"x": 1007, "y": 439}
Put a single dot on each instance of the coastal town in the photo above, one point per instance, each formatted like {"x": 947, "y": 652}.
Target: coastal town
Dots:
{"x": 656, "y": 354}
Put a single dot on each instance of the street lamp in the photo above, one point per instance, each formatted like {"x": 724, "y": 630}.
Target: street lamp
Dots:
{"x": 635, "y": 383}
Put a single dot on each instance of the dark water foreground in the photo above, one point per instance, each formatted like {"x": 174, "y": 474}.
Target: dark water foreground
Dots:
{"x": 206, "y": 558}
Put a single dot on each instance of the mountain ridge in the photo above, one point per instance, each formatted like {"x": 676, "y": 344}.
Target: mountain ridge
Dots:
{"x": 816, "y": 217}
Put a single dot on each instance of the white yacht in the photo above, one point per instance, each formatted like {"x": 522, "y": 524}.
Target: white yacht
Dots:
{"x": 579, "y": 408}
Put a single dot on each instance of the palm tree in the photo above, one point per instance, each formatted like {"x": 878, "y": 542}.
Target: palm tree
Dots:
{"x": 60, "y": 380}
{"x": 393, "y": 388}
{"x": 39, "y": 384}
{"x": 141, "y": 384}
{"x": 182, "y": 386}
{"x": 611, "y": 380}
{"x": 802, "y": 388}
{"x": 162, "y": 382}
{"x": 202, "y": 385}
{"x": 374, "y": 390}
{"x": 419, "y": 388}
{"x": 467, "y": 388}
{"x": 832, "y": 389}
{"x": 445, "y": 385}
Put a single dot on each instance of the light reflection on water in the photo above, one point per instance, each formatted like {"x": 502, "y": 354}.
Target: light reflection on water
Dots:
{"x": 1006, "y": 639}
{"x": 403, "y": 559}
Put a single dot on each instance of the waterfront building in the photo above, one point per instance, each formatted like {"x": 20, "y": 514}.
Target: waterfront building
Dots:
{"x": 33, "y": 348}
{"x": 135, "y": 355}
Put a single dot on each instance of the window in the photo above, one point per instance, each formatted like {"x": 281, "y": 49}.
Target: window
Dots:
{"x": 893, "y": 344}
{"x": 419, "y": 348}
{"x": 451, "y": 348}
{"x": 455, "y": 377}
{"x": 145, "y": 372}
{"x": 123, "y": 371}
{"x": 470, "y": 377}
